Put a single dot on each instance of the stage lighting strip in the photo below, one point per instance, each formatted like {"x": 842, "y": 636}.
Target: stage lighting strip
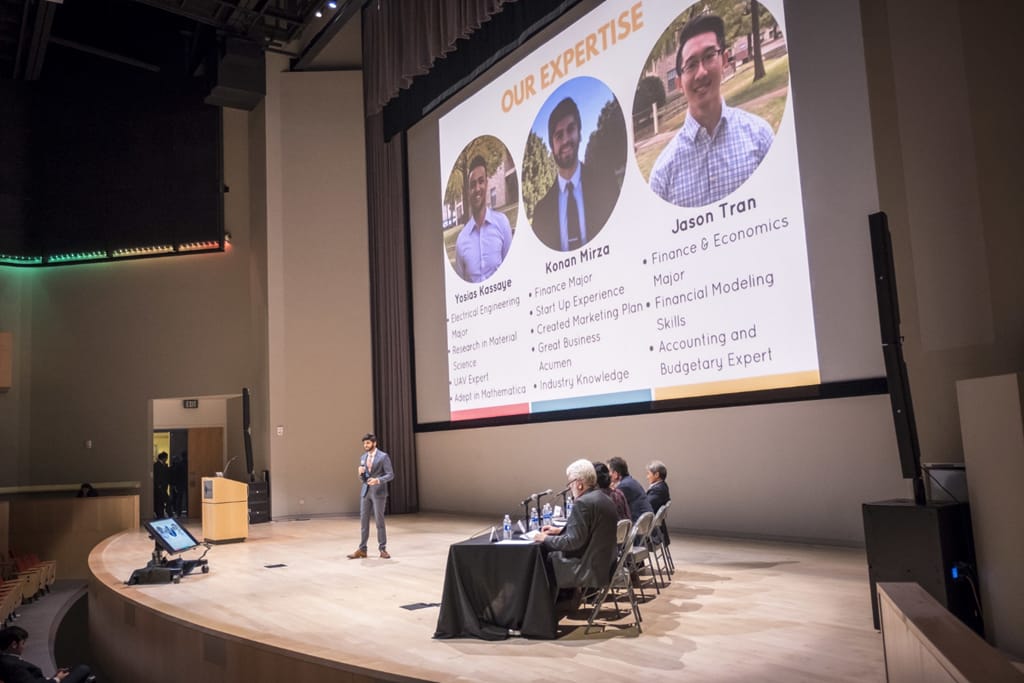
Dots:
{"x": 199, "y": 246}
{"x": 142, "y": 251}
{"x": 76, "y": 256}
{"x": 127, "y": 252}
{"x": 21, "y": 260}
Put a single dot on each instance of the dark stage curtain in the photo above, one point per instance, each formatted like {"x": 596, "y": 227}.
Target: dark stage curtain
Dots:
{"x": 401, "y": 39}
{"x": 389, "y": 312}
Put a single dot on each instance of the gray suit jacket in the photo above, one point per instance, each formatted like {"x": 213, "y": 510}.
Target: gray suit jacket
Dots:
{"x": 381, "y": 469}
{"x": 585, "y": 552}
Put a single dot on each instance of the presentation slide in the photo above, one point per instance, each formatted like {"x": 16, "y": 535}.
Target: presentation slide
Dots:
{"x": 622, "y": 218}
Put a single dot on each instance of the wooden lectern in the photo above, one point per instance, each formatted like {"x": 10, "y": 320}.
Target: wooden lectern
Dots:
{"x": 225, "y": 510}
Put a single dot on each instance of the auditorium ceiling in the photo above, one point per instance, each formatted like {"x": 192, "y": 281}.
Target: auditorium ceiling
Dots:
{"x": 45, "y": 39}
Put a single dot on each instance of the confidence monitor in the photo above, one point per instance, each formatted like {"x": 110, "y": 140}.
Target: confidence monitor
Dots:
{"x": 892, "y": 350}
{"x": 170, "y": 536}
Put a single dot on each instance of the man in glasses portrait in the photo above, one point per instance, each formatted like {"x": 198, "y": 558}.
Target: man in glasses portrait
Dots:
{"x": 718, "y": 146}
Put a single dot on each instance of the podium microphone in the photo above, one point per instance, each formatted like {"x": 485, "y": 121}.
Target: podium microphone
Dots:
{"x": 230, "y": 460}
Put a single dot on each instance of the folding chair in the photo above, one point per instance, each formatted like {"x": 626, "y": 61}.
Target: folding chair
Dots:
{"x": 656, "y": 546}
{"x": 619, "y": 579}
{"x": 664, "y": 540}
{"x": 639, "y": 552}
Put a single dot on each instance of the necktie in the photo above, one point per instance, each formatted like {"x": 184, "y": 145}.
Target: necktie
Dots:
{"x": 369, "y": 462}
{"x": 572, "y": 219}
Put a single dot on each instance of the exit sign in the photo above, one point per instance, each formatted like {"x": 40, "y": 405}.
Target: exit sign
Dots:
{"x": 191, "y": 403}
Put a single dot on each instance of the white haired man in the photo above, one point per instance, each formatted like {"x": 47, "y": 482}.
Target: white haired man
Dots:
{"x": 583, "y": 553}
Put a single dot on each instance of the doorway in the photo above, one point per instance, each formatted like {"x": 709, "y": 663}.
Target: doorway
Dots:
{"x": 193, "y": 453}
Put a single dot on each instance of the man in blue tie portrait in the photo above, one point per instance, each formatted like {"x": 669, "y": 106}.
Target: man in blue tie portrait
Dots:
{"x": 581, "y": 199}
{"x": 375, "y": 472}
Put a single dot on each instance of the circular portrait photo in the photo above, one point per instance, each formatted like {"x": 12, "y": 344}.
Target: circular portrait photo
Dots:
{"x": 481, "y": 204}
{"x": 574, "y": 163}
{"x": 709, "y": 101}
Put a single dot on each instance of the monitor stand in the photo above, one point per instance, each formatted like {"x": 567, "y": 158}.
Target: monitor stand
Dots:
{"x": 162, "y": 569}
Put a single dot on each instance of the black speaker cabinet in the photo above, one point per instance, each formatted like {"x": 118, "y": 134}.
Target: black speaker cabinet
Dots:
{"x": 259, "y": 502}
{"x": 240, "y": 76}
{"x": 922, "y": 543}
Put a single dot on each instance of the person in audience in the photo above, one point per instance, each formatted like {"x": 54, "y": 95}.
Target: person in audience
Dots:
{"x": 583, "y": 553}
{"x": 604, "y": 484}
{"x": 657, "y": 491}
{"x": 161, "y": 479}
{"x": 14, "y": 669}
{"x": 630, "y": 487}
{"x": 87, "y": 491}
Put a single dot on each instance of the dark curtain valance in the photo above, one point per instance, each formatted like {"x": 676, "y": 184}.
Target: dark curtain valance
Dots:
{"x": 403, "y": 38}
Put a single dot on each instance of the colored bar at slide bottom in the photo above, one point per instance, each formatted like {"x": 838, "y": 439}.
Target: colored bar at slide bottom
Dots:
{"x": 491, "y": 411}
{"x": 637, "y": 396}
{"x": 736, "y": 386}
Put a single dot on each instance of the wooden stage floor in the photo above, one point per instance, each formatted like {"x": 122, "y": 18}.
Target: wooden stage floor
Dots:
{"x": 736, "y": 610}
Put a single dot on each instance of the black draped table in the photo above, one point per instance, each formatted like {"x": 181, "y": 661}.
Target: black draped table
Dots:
{"x": 492, "y": 588}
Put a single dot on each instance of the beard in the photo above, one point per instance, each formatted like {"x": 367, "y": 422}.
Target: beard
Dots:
{"x": 567, "y": 156}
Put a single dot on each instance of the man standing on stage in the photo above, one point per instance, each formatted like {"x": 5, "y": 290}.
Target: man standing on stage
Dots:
{"x": 375, "y": 472}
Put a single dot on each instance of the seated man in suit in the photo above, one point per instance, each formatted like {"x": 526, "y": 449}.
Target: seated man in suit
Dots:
{"x": 14, "y": 669}
{"x": 583, "y": 553}
{"x": 635, "y": 494}
{"x": 657, "y": 491}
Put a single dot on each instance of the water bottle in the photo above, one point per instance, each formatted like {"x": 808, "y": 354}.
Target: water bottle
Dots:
{"x": 568, "y": 507}
{"x": 534, "y": 521}
{"x": 506, "y": 531}
{"x": 547, "y": 514}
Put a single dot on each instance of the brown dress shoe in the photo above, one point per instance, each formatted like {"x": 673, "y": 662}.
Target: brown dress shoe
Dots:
{"x": 357, "y": 554}
{"x": 385, "y": 555}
